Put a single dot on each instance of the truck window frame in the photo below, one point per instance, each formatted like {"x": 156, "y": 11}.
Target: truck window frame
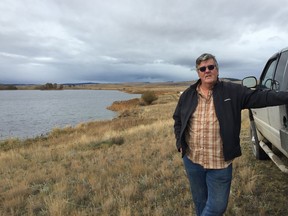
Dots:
{"x": 281, "y": 71}
{"x": 267, "y": 77}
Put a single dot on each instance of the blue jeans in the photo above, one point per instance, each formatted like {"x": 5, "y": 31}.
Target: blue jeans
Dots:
{"x": 210, "y": 188}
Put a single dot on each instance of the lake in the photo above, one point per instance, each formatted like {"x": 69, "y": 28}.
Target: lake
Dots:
{"x": 30, "y": 113}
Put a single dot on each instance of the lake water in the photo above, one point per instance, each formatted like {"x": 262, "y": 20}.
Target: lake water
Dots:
{"x": 30, "y": 113}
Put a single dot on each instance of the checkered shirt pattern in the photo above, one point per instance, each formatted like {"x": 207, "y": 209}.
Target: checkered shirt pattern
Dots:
{"x": 203, "y": 135}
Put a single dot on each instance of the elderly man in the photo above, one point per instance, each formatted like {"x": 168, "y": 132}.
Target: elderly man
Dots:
{"x": 207, "y": 128}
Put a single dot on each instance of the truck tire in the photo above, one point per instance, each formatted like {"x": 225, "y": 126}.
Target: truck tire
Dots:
{"x": 258, "y": 152}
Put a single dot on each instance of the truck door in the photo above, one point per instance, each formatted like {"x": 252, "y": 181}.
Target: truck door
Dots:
{"x": 278, "y": 114}
{"x": 284, "y": 130}
{"x": 261, "y": 116}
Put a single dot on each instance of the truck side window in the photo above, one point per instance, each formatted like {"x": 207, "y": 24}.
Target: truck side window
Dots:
{"x": 280, "y": 71}
{"x": 267, "y": 80}
{"x": 285, "y": 78}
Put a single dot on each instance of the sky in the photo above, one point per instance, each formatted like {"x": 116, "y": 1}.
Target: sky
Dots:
{"x": 110, "y": 41}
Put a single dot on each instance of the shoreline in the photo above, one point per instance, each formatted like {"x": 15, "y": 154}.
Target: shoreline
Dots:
{"x": 122, "y": 108}
{"x": 116, "y": 107}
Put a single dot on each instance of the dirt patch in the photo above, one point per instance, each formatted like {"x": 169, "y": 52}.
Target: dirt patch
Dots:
{"x": 119, "y": 106}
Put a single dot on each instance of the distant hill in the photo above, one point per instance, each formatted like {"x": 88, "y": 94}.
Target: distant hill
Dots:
{"x": 7, "y": 87}
{"x": 230, "y": 79}
{"x": 85, "y": 83}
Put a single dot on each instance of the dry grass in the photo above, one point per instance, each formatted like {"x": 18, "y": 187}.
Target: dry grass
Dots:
{"x": 126, "y": 166}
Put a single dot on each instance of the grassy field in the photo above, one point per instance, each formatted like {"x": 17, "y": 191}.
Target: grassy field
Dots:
{"x": 125, "y": 166}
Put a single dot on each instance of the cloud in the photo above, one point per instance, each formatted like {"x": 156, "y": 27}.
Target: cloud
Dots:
{"x": 133, "y": 40}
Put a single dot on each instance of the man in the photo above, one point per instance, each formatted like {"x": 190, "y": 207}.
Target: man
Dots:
{"x": 207, "y": 128}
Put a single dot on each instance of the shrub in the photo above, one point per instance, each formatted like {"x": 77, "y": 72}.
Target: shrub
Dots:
{"x": 148, "y": 97}
{"x": 119, "y": 140}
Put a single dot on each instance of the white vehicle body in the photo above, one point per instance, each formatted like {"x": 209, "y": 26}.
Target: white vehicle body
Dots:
{"x": 270, "y": 125}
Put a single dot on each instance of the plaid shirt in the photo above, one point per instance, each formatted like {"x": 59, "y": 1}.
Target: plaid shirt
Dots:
{"x": 203, "y": 135}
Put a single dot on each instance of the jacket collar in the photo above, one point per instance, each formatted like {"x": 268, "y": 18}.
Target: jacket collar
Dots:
{"x": 194, "y": 85}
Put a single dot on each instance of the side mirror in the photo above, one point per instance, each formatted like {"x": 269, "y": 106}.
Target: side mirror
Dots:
{"x": 250, "y": 82}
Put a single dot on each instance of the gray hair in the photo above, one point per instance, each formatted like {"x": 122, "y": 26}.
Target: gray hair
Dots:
{"x": 205, "y": 57}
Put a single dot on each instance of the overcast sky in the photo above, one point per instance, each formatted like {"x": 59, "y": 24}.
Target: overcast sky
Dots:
{"x": 63, "y": 41}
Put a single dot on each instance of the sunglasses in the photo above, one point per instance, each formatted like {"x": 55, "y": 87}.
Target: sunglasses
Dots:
{"x": 203, "y": 69}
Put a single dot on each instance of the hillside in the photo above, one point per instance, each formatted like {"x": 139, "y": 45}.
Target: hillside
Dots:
{"x": 126, "y": 166}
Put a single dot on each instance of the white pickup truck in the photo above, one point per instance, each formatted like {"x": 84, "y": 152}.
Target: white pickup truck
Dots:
{"x": 269, "y": 126}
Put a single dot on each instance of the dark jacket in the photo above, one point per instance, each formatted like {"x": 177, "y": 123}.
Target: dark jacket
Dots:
{"x": 229, "y": 99}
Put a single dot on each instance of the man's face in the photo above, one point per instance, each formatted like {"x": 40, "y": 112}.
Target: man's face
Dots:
{"x": 207, "y": 75}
